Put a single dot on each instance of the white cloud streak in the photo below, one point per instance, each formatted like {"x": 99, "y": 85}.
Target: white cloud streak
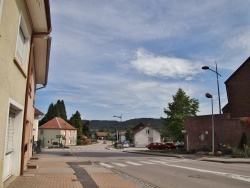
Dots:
{"x": 160, "y": 66}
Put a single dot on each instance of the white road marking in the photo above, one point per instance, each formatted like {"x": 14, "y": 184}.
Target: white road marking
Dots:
{"x": 154, "y": 161}
{"x": 120, "y": 164}
{"x": 133, "y": 163}
{"x": 104, "y": 164}
{"x": 146, "y": 162}
{"x": 174, "y": 161}
{"x": 233, "y": 176}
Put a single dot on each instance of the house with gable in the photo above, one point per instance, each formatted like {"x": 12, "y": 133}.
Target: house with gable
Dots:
{"x": 57, "y": 132}
{"x": 25, "y": 27}
{"x": 145, "y": 134}
{"x": 235, "y": 117}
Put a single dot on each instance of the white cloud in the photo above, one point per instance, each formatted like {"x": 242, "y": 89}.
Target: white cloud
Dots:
{"x": 163, "y": 66}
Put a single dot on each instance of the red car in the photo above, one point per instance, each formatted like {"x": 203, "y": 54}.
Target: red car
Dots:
{"x": 157, "y": 146}
{"x": 171, "y": 145}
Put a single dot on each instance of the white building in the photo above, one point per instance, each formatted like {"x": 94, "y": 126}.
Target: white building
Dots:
{"x": 145, "y": 134}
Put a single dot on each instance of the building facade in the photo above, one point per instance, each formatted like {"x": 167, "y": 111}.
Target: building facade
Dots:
{"x": 57, "y": 133}
{"x": 238, "y": 91}
{"x": 145, "y": 134}
{"x": 24, "y": 60}
{"x": 198, "y": 130}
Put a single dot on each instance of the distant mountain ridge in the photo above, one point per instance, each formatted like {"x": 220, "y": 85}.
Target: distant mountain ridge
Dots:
{"x": 106, "y": 125}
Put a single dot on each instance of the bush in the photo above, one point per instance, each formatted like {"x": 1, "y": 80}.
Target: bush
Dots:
{"x": 245, "y": 153}
{"x": 243, "y": 141}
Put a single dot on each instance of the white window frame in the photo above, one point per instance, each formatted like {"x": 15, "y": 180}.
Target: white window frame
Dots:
{"x": 1, "y": 8}
{"x": 23, "y": 29}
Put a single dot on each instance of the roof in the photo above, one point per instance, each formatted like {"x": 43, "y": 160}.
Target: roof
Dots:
{"x": 38, "y": 112}
{"x": 101, "y": 133}
{"x": 57, "y": 123}
{"x": 140, "y": 127}
{"x": 39, "y": 12}
{"x": 236, "y": 72}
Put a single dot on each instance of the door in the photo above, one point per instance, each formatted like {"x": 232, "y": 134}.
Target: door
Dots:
{"x": 8, "y": 157}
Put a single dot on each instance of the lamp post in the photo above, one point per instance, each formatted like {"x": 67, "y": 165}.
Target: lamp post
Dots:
{"x": 211, "y": 97}
{"x": 121, "y": 121}
{"x": 218, "y": 88}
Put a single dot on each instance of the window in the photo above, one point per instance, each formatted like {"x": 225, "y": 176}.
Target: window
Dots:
{"x": 147, "y": 131}
{"x": 10, "y": 132}
{"x": 1, "y": 6}
{"x": 22, "y": 46}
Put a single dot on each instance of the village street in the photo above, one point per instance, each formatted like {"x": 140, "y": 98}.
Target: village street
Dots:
{"x": 165, "y": 171}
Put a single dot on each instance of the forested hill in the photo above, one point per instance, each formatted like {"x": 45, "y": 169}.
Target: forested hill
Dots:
{"x": 104, "y": 125}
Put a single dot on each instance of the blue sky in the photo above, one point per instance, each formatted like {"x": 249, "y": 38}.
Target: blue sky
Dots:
{"x": 130, "y": 56}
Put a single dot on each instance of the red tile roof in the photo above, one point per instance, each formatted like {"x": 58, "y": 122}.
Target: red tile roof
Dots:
{"x": 38, "y": 112}
{"x": 57, "y": 123}
{"x": 101, "y": 133}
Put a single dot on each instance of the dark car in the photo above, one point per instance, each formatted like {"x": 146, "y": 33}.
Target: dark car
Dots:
{"x": 171, "y": 145}
{"x": 180, "y": 144}
{"x": 157, "y": 146}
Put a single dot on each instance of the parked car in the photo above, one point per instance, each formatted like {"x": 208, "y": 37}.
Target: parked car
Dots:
{"x": 157, "y": 146}
{"x": 180, "y": 144}
{"x": 171, "y": 145}
{"x": 125, "y": 145}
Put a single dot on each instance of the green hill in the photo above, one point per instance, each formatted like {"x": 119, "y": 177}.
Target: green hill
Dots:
{"x": 112, "y": 126}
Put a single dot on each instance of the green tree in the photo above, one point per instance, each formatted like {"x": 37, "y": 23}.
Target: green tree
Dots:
{"x": 86, "y": 129}
{"x": 49, "y": 115}
{"x": 243, "y": 141}
{"x": 76, "y": 121}
{"x": 128, "y": 135}
{"x": 61, "y": 110}
{"x": 181, "y": 107}
{"x": 54, "y": 110}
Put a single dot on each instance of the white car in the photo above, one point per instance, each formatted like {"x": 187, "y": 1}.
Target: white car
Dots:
{"x": 125, "y": 145}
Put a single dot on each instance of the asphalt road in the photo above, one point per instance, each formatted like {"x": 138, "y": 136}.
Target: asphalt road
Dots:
{"x": 161, "y": 171}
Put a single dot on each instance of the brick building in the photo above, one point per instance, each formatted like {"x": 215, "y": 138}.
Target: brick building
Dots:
{"x": 238, "y": 92}
{"x": 198, "y": 130}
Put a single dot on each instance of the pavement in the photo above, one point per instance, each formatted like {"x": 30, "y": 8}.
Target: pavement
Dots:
{"x": 59, "y": 168}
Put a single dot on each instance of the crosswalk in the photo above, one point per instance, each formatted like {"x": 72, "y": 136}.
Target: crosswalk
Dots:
{"x": 89, "y": 149}
{"x": 139, "y": 163}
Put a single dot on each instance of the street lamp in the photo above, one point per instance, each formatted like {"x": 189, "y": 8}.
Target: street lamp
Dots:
{"x": 121, "y": 121}
{"x": 211, "y": 97}
{"x": 221, "y": 130}
{"x": 119, "y": 117}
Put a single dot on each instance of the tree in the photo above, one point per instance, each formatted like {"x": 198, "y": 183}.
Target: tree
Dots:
{"x": 128, "y": 135}
{"x": 49, "y": 115}
{"x": 243, "y": 141}
{"x": 76, "y": 121}
{"x": 181, "y": 107}
{"x": 61, "y": 110}
{"x": 86, "y": 129}
{"x": 54, "y": 110}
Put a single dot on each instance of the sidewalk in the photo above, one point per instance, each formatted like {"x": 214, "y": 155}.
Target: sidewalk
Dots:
{"x": 58, "y": 168}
